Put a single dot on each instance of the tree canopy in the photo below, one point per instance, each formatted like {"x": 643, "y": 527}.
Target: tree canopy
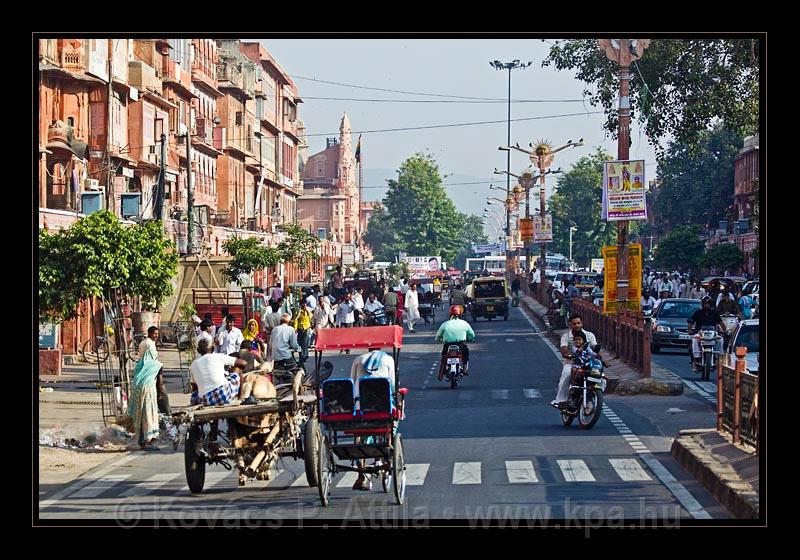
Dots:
{"x": 682, "y": 249}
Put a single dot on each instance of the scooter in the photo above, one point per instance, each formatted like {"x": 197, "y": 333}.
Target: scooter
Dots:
{"x": 376, "y": 318}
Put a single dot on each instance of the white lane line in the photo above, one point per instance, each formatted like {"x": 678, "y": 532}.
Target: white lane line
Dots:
{"x": 631, "y": 437}
{"x": 575, "y": 470}
{"x": 532, "y": 393}
{"x": 520, "y": 472}
{"x": 347, "y": 480}
{"x": 694, "y": 387}
{"x": 533, "y": 325}
{"x": 215, "y": 478}
{"x": 678, "y": 490}
{"x": 707, "y": 386}
{"x": 151, "y": 484}
{"x": 416, "y": 473}
{"x": 500, "y": 394}
{"x": 629, "y": 469}
{"x": 624, "y": 431}
{"x": 80, "y": 483}
{"x": 99, "y": 486}
{"x": 467, "y": 473}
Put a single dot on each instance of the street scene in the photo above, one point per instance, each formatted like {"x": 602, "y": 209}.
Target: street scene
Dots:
{"x": 527, "y": 295}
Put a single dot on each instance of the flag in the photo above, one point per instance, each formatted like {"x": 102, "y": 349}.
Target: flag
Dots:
{"x": 358, "y": 150}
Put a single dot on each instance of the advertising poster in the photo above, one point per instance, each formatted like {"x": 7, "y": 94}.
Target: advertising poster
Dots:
{"x": 420, "y": 267}
{"x": 526, "y": 228}
{"x": 542, "y": 233}
{"x": 610, "y": 278}
{"x": 597, "y": 265}
{"x": 623, "y": 190}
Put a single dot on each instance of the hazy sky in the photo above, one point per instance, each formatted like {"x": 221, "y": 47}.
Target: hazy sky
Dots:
{"x": 449, "y": 67}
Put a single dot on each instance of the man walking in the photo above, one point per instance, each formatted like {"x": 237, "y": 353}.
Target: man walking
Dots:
{"x": 412, "y": 307}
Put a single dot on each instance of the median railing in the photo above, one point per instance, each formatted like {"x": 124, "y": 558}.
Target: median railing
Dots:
{"x": 737, "y": 400}
{"x": 626, "y": 334}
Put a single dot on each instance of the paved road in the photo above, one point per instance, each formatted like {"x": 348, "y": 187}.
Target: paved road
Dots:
{"x": 677, "y": 361}
{"x": 493, "y": 448}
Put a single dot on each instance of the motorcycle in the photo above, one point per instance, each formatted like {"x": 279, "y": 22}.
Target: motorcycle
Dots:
{"x": 647, "y": 313}
{"x": 731, "y": 321}
{"x": 708, "y": 352}
{"x": 452, "y": 365}
{"x": 376, "y": 318}
{"x": 585, "y": 398}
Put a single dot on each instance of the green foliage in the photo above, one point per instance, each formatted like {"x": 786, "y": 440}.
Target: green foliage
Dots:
{"x": 682, "y": 249}
{"x": 471, "y": 234}
{"x": 724, "y": 256}
{"x": 419, "y": 218}
{"x": 248, "y": 255}
{"x": 692, "y": 83}
{"x": 578, "y": 201}
{"x": 98, "y": 253}
{"x": 299, "y": 246}
{"x": 696, "y": 182}
{"x": 398, "y": 271}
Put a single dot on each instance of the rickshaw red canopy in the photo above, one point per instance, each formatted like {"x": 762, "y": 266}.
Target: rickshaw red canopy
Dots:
{"x": 359, "y": 337}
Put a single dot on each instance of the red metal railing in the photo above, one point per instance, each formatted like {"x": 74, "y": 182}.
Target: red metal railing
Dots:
{"x": 626, "y": 334}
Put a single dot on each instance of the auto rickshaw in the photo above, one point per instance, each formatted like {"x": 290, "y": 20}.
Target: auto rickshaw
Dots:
{"x": 488, "y": 297}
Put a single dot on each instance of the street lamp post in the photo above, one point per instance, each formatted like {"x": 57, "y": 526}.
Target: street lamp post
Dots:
{"x": 497, "y": 65}
{"x": 571, "y": 229}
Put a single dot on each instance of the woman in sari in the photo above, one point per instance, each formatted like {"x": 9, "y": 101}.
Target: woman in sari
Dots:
{"x": 143, "y": 404}
{"x": 252, "y": 333}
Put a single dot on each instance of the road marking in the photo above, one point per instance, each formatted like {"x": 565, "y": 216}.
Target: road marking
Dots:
{"x": 467, "y": 473}
{"x": 520, "y": 472}
{"x": 533, "y": 325}
{"x": 532, "y": 393}
{"x": 575, "y": 470}
{"x": 678, "y": 490}
{"x": 300, "y": 481}
{"x": 624, "y": 431}
{"x": 629, "y": 469}
{"x": 347, "y": 480}
{"x": 80, "y": 483}
{"x": 694, "y": 387}
{"x": 500, "y": 394}
{"x": 99, "y": 486}
{"x": 708, "y": 386}
{"x": 151, "y": 484}
{"x": 631, "y": 437}
{"x": 465, "y": 396}
{"x": 509, "y": 340}
{"x": 416, "y": 473}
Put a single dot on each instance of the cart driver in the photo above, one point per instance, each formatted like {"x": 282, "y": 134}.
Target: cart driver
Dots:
{"x": 375, "y": 363}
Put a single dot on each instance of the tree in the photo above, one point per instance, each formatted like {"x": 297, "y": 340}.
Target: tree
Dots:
{"x": 578, "y": 201}
{"x": 98, "y": 253}
{"x": 724, "y": 256}
{"x": 690, "y": 84}
{"x": 299, "y": 246}
{"x": 681, "y": 249}
{"x": 247, "y": 255}
{"x": 471, "y": 234}
{"x": 380, "y": 235}
{"x": 696, "y": 182}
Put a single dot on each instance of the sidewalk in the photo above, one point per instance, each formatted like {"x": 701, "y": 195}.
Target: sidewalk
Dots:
{"x": 623, "y": 379}
{"x": 730, "y": 472}
{"x": 72, "y": 411}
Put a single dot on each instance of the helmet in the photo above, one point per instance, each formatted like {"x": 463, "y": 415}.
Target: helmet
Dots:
{"x": 456, "y": 311}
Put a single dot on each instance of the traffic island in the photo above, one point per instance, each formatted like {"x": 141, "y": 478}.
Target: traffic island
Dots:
{"x": 622, "y": 378}
{"x": 729, "y": 472}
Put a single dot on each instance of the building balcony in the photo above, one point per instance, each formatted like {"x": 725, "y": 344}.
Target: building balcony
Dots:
{"x": 174, "y": 75}
{"x": 230, "y": 76}
{"x": 143, "y": 77}
{"x": 72, "y": 58}
{"x": 290, "y": 127}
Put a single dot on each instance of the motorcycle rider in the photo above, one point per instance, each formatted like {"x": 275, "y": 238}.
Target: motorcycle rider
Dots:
{"x": 647, "y": 300}
{"x": 455, "y": 331}
{"x": 705, "y": 317}
{"x": 727, "y": 305}
{"x": 372, "y": 305}
{"x": 567, "y": 343}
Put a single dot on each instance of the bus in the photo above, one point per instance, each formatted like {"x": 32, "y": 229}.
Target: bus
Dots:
{"x": 497, "y": 264}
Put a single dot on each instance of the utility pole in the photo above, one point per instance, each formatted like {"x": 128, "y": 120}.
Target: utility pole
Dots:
{"x": 623, "y": 52}
{"x": 190, "y": 195}
{"x": 109, "y": 106}
{"x": 161, "y": 179}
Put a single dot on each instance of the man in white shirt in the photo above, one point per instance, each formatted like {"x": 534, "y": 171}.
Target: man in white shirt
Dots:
{"x": 372, "y": 304}
{"x": 229, "y": 339}
{"x": 206, "y": 328}
{"x": 212, "y": 384}
{"x": 358, "y": 302}
{"x": 567, "y": 347}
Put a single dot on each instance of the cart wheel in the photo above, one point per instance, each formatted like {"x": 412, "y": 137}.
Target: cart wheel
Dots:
{"x": 311, "y": 451}
{"x": 325, "y": 469}
{"x": 398, "y": 471}
{"x": 195, "y": 464}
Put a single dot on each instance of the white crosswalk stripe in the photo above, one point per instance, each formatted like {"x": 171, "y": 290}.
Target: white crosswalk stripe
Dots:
{"x": 300, "y": 481}
{"x": 467, "y": 473}
{"x": 215, "y": 478}
{"x": 532, "y": 393}
{"x": 575, "y": 470}
{"x": 629, "y": 470}
{"x": 707, "y": 386}
{"x": 99, "y": 486}
{"x": 500, "y": 394}
{"x": 521, "y": 472}
{"x": 151, "y": 484}
{"x": 416, "y": 473}
{"x": 347, "y": 480}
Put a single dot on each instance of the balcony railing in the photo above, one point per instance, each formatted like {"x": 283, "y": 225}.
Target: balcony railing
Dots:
{"x": 203, "y": 68}
{"x": 229, "y": 75}
{"x": 72, "y": 58}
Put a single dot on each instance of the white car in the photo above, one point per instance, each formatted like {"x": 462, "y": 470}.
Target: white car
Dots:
{"x": 746, "y": 334}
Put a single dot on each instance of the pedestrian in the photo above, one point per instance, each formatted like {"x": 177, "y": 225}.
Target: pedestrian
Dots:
{"x": 401, "y": 300}
{"x": 404, "y": 287}
{"x": 358, "y": 302}
{"x": 696, "y": 292}
{"x": 208, "y": 317}
{"x": 337, "y": 283}
{"x": 230, "y": 339}
{"x": 248, "y": 354}
{"x": 303, "y": 324}
{"x": 143, "y": 404}
{"x": 412, "y": 307}
{"x": 253, "y": 334}
{"x": 323, "y": 316}
{"x": 220, "y": 327}
{"x": 276, "y": 293}
{"x": 283, "y": 341}
{"x": 390, "y": 301}
{"x": 206, "y": 332}
{"x": 746, "y": 305}
{"x": 537, "y": 278}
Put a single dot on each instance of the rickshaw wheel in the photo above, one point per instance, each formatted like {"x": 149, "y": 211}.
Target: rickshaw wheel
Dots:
{"x": 195, "y": 464}
{"x": 386, "y": 481}
{"x": 325, "y": 471}
{"x": 311, "y": 450}
{"x": 398, "y": 471}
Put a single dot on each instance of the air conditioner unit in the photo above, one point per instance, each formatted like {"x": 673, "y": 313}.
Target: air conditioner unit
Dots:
{"x": 91, "y": 184}
{"x": 131, "y": 205}
{"x": 92, "y": 202}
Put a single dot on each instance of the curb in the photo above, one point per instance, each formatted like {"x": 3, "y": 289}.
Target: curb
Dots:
{"x": 718, "y": 478}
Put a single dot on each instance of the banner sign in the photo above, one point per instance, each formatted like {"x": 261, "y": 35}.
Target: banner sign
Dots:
{"x": 597, "y": 265}
{"x": 490, "y": 248}
{"x": 610, "y": 278}
{"x": 542, "y": 232}
{"x": 623, "y": 190}
{"x": 419, "y": 267}
{"x": 526, "y": 228}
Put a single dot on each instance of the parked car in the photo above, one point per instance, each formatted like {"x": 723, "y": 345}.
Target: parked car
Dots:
{"x": 746, "y": 334}
{"x": 669, "y": 323}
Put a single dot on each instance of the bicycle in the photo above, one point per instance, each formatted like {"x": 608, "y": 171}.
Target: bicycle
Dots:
{"x": 97, "y": 349}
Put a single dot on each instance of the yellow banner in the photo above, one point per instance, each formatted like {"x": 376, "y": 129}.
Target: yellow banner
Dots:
{"x": 610, "y": 278}
{"x": 526, "y": 228}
